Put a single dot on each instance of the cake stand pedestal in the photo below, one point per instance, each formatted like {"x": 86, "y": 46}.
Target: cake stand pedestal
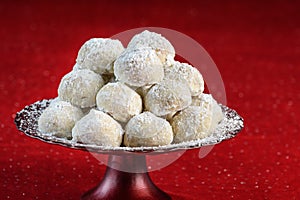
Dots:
{"x": 118, "y": 184}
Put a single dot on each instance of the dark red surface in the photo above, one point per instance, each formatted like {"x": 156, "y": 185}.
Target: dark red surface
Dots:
{"x": 256, "y": 46}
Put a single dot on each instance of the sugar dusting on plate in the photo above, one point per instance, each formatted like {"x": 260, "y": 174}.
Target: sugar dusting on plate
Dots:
{"x": 26, "y": 121}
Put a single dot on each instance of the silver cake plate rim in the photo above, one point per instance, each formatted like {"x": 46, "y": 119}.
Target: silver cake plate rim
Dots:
{"x": 26, "y": 122}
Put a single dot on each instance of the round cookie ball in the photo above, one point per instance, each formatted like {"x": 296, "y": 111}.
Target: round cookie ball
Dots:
{"x": 119, "y": 101}
{"x": 147, "y": 130}
{"x": 163, "y": 48}
{"x": 187, "y": 72}
{"x": 167, "y": 97}
{"x": 98, "y": 128}
{"x": 139, "y": 67}
{"x": 98, "y": 55}
{"x": 191, "y": 123}
{"x": 80, "y": 88}
{"x": 207, "y": 101}
{"x": 59, "y": 118}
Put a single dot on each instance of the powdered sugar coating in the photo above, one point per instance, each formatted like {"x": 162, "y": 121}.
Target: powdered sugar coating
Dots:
{"x": 139, "y": 67}
{"x": 147, "y": 130}
{"x": 187, "y": 72}
{"x": 98, "y": 128}
{"x": 59, "y": 118}
{"x": 168, "y": 97}
{"x": 76, "y": 67}
{"x": 217, "y": 116}
{"x": 98, "y": 55}
{"x": 119, "y": 101}
{"x": 207, "y": 100}
{"x": 163, "y": 48}
{"x": 192, "y": 123}
{"x": 202, "y": 100}
{"x": 80, "y": 88}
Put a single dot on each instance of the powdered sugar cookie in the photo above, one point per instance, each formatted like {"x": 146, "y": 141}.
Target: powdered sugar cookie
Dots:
{"x": 139, "y": 67}
{"x": 163, "y": 48}
{"x": 192, "y": 123}
{"x": 59, "y": 118}
{"x": 80, "y": 87}
{"x": 146, "y": 129}
{"x": 207, "y": 100}
{"x": 187, "y": 72}
{"x": 168, "y": 97}
{"x": 98, "y": 55}
{"x": 119, "y": 101}
{"x": 98, "y": 128}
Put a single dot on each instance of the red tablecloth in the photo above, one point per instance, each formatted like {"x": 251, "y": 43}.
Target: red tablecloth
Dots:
{"x": 256, "y": 46}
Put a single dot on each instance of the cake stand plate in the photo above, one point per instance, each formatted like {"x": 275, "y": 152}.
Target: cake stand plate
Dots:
{"x": 118, "y": 182}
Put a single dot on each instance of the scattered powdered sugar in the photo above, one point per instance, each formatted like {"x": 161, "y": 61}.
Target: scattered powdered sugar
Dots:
{"x": 26, "y": 121}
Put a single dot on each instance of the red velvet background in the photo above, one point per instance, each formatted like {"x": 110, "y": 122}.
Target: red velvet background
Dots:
{"x": 256, "y": 46}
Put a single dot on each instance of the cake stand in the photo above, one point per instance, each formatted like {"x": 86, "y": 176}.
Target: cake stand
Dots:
{"x": 126, "y": 176}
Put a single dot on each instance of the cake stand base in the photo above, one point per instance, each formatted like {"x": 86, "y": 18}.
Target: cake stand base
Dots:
{"x": 126, "y": 177}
